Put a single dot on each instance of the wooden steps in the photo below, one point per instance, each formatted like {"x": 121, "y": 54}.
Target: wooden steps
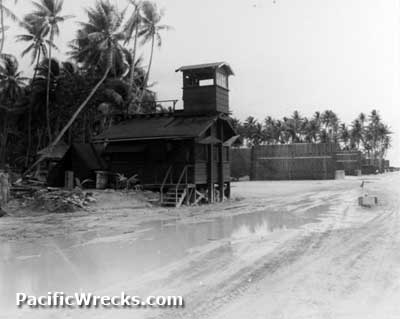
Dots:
{"x": 174, "y": 197}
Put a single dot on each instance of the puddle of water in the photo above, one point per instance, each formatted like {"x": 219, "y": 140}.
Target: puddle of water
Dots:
{"x": 102, "y": 263}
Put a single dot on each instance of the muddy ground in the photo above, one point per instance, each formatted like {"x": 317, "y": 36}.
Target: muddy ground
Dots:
{"x": 277, "y": 250}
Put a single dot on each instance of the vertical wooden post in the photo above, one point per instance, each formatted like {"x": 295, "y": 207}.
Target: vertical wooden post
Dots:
{"x": 211, "y": 174}
{"x": 192, "y": 170}
{"x": 221, "y": 164}
{"x": 252, "y": 164}
{"x": 228, "y": 190}
{"x": 69, "y": 180}
{"x": 221, "y": 173}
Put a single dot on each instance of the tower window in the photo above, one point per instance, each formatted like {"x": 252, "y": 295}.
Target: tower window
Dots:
{"x": 206, "y": 82}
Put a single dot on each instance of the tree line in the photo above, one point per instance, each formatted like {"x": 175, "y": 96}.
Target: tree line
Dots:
{"x": 103, "y": 81}
{"x": 367, "y": 133}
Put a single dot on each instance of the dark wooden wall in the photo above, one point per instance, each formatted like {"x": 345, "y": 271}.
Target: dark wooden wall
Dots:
{"x": 206, "y": 99}
{"x": 293, "y": 162}
{"x": 349, "y": 161}
{"x": 152, "y": 163}
{"x": 240, "y": 162}
{"x": 201, "y": 164}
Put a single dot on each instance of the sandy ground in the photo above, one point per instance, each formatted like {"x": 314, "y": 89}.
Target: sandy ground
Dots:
{"x": 276, "y": 250}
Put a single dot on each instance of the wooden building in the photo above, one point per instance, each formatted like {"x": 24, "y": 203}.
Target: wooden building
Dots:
{"x": 81, "y": 159}
{"x": 185, "y": 154}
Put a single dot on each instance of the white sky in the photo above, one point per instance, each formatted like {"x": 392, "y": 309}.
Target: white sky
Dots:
{"x": 289, "y": 54}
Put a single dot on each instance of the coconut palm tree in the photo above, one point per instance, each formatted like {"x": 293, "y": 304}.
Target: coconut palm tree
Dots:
{"x": 344, "y": 135}
{"x": 5, "y": 11}
{"x": 378, "y": 137}
{"x": 132, "y": 31}
{"x": 150, "y": 30}
{"x": 296, "y": 125}
{"x": 331, "y": 124}
{"x": 35, "y": 37}
{"x": 12, "y": 84}
{"x": 357, "y": 133}
{"x": 48, "y": 15}
{"x": 98, "y": 44}
{"x": 97, "y": 47}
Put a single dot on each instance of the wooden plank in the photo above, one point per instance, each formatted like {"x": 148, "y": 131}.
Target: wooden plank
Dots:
{"x": 211, "y": 174}
{"x": 221, "y": 181}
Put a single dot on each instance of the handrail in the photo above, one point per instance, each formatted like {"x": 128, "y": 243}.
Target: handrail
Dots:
{"x": 164, "y": 182}
{"x": 183, "y": 174}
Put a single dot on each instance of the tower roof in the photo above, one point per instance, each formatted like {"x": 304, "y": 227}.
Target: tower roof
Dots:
{"x": 215, "y": 65}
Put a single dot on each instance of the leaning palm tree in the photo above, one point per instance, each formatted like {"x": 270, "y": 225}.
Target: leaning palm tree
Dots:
{"x": 48, "y": 15}
{"x": 151, "y": 17}
{"x": 98, "y": 48}
{"x": 98, "y": 44}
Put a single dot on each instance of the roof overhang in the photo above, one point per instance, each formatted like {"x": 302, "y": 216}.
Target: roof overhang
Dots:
{"x": 216, "y": 65}
{"x": 131, "y": 139}
{"x": 229, "y": 142}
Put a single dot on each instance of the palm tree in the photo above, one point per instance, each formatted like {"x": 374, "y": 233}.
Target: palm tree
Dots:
{"x": 357, "y": 133}
{"x": 132, "y": 31}
{"x": 12, "y": 84}
{"x": 98, "y": 44}
{"x": 296, "y": 124}
{"x": 344, "y": 135}
{"x": 150, "y": 31}
{"x": 331, "y": 123}
{"x": 378, "y": 137}
{"x": 48, "y": 16}
{"x": 5, "y": 11}
{"x": 35, "y": 37}
{"x": 98, "y": 48}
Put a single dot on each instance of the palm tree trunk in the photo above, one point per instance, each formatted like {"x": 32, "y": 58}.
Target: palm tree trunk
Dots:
{"x": 28, "y": 150}
{"x": 48, "y": 86}
{"x": 3, "y": 31}
{"x": 73, "y": 118}
{"x": 132, "y": 75}
{"x": 3, "y": 142}
{"x": 81, "y": 107}
{"x": 146, "y": 79}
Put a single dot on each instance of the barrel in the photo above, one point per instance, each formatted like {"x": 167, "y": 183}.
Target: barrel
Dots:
{"x": 69, "y": 180}
{"x": 101, "y": 179}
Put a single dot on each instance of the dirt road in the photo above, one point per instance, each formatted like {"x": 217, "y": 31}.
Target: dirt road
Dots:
{"x": 280, "y": 250}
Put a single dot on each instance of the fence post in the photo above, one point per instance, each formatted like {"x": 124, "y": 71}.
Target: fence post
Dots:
{"x": 252, "y": 164}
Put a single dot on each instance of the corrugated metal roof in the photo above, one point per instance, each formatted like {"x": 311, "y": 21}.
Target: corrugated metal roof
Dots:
{"x": 158, "y": 128}
{"x": 214, "y": 65}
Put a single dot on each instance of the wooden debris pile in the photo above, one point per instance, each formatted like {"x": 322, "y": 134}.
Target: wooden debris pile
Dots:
{"x": 61, "y": 201}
